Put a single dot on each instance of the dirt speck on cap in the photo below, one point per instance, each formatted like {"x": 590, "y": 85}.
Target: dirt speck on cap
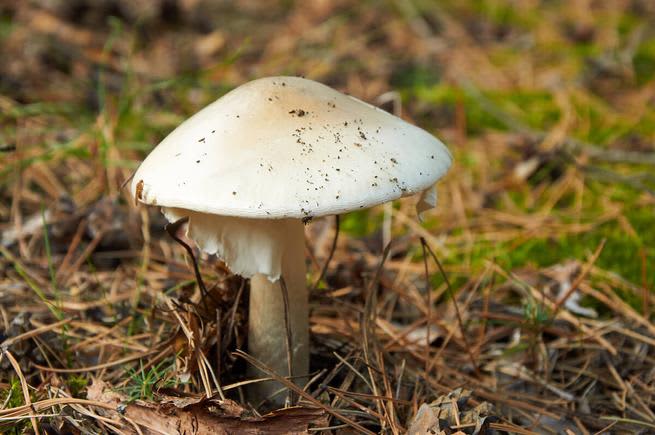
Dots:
{"x": 298, "y": 112}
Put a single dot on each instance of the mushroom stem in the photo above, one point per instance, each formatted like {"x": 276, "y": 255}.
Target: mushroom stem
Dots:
{"x": 266, "y": 324}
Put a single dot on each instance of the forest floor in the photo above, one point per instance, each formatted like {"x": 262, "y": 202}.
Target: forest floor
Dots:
{"x": 540, "y": 321}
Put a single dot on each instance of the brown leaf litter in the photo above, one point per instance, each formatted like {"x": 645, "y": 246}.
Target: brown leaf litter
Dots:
{"x": 96, "y": 300}
{"x": 200, "y": 415}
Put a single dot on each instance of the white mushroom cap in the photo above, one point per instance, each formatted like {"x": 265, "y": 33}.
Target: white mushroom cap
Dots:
{"x": 288, "y": 147}
{"x": 247, "y": 167}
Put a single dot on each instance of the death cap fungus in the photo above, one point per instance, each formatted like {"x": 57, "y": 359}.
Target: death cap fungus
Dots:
{"x": 276, "y": 150}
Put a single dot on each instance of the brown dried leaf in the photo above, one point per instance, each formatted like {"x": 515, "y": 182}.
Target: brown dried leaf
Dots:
{"x": 448, "y": 415}
{"x": 200, "y": 416}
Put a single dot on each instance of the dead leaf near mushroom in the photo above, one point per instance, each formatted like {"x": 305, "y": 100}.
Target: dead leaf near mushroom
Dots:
{"x": 452, "y": 414}
{"x": 199, "y": 415}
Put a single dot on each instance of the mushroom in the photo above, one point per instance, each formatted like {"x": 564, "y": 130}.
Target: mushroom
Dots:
{"x": 251, "y": 168}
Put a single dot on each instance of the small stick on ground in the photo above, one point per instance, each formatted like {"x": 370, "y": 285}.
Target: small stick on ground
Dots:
{"x": 585, "y": 270}
{"x": 171, "y": 229}
{"x": 428, "y": 291}
{"x": 368, "y": 327}
{"x": 233, "y": 315}
{"x": 289, "y": 339}
{"x": 305, "y": 395}
{"x": 330, "y": 255}
{"x": 219, "y": 344}
{"x": 25, "y": 388}
{"x": 460, "y": 323}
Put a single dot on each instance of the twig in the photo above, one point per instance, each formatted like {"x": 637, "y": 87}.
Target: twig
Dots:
{"x": 219, "y": 344}
{"x": 33, "y": 333}
{"x": 72, "y": 246}
{"x": 428, "y": 291}
{"x": 628, "y": 420}
{"x": 64, "y": 273}
{"x": 205, "y": 361}
{"x": 233, "y": 315}
{"x": 171, "y": 229}
{"x": 48, "y": 403}
{"x": 368, "y": 327}
{"x": 330, "y": 255}
{"x": 264, "y": 368}
{"x": 95, "y": 367}
{"x": 353, "y": 369}
{"x": 25, "y": 388}
{"x": 603, "y": 174}
{"x": 289, "y": 336}
{"x": 645, "y": 292}
{"x": 585, "y": 270}
{"x": 453, "y": 297}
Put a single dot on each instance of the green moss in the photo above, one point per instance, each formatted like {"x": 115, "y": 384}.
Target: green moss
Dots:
{"x": 414, "y": 76}
{"x": 644, "y": 62}
{"x": 12, "y": 397}
{"x": 77, "y": 383}
{"x": 621, "y": 255}
{"x": 534, "y": 108}
{"x": 627, "y": 22}
{"x": 361, "y": 223}
{"x": 6, "y": 26}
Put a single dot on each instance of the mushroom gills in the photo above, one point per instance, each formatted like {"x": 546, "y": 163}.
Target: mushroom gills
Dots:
{"x": 247, "y": 246}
